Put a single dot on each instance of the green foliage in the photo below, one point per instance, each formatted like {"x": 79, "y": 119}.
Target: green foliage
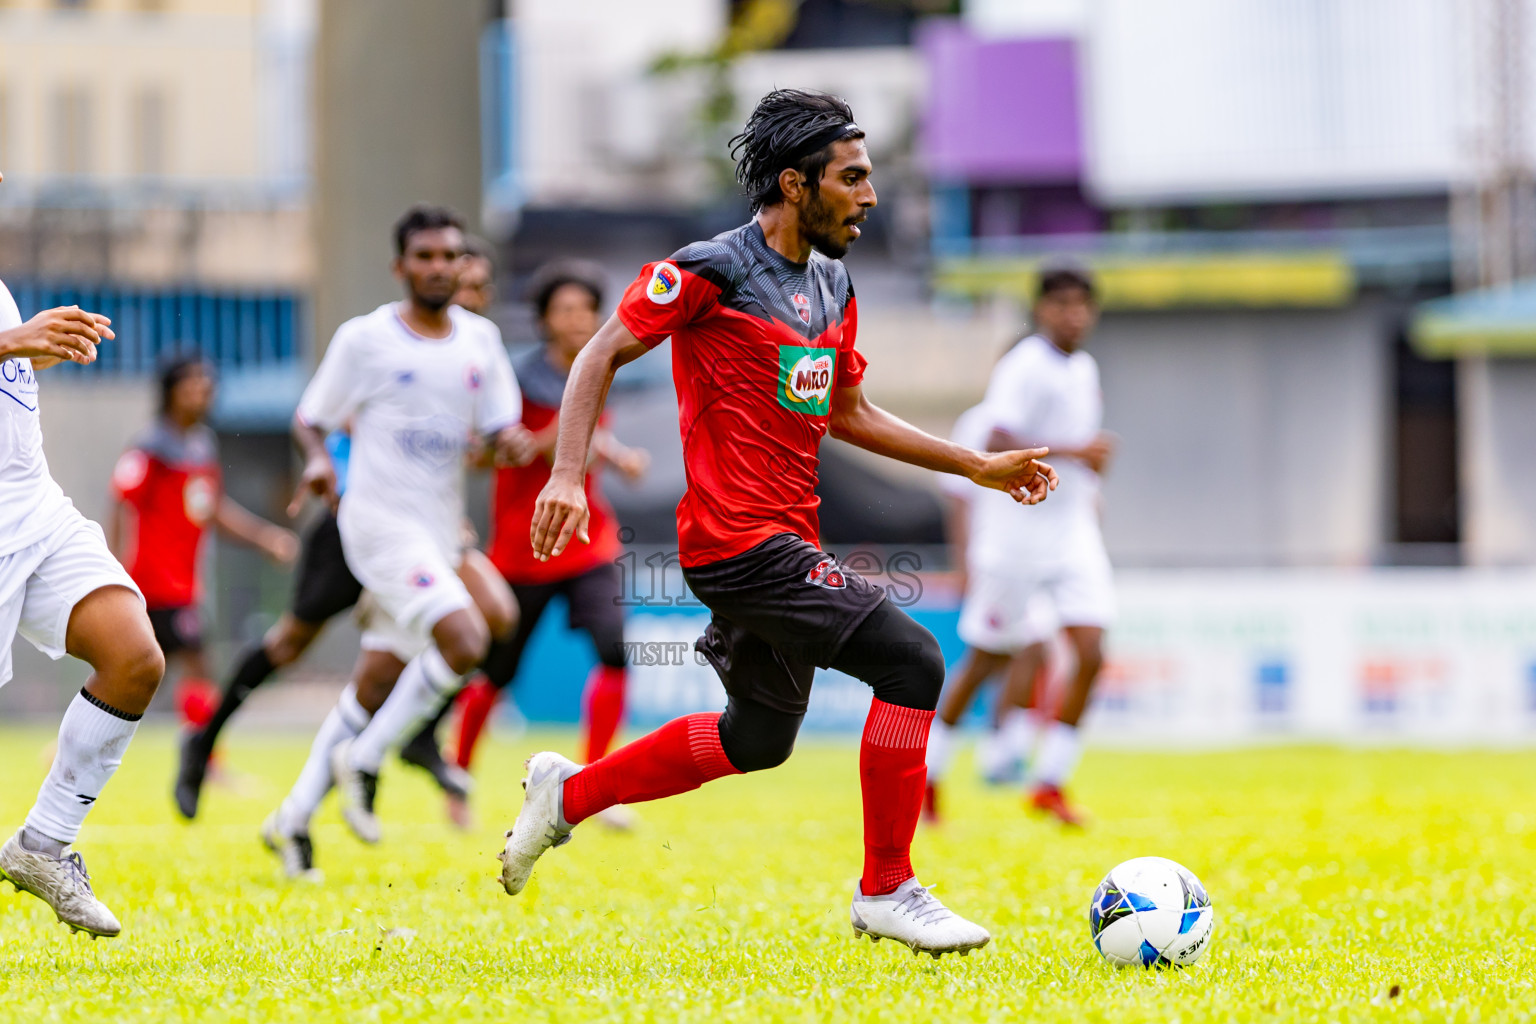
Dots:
{"x": 1336, "y": 877}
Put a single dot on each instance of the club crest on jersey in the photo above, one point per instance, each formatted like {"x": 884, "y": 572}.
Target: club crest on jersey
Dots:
{"x": 422, "y": 579}
{"x": 666, "y": 284}
{"x": 472, "y": 378}
{"x": 200, "y": 498}
{"x": 131, "y": 470}
{"x": 827, "y": 573}
{"x": 805, "y": 378}
{"x": 802, "y": 306}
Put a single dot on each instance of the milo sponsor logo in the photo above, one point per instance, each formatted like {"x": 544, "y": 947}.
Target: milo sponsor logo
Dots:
{"x": 805, "y": 378}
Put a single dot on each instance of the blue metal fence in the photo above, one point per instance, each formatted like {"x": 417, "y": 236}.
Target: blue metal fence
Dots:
{"x": 236, "y": 330}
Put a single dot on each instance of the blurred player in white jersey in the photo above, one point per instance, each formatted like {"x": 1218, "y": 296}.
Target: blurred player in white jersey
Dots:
{"x": 1000, "y": 754}
{"x": 420, "y": 384}
{"x": 324, "y": 587}
{"x": 1034, "y": 570}
{"x": 61, "y": 589}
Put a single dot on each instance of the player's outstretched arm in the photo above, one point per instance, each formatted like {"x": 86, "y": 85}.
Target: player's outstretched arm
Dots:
{"x": 561, "y": 510}
{"x": 632, "y": 462}
{"x": 859, "y": 421}
{"x": 238, "y": 522}
{"x": 64, "y": 334}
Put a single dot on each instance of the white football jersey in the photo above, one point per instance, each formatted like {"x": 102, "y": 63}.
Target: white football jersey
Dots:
{"x": 1043, "y": 397}
{"x": 971, "y": 429}
{"x": 32, "y": 505}
{"x": 413, "y": 404}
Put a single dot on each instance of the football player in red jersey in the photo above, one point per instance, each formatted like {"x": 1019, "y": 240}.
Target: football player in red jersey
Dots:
{"x": 567, "y": 296}
{"x": 762, "y": 322}
{"x": 168, "y": 488}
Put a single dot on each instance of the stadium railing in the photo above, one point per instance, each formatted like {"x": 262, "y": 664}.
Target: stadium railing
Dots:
{"x": 236, "y": 330}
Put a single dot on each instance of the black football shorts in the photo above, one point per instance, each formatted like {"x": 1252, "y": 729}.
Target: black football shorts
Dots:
{"x": 177, "y": 629}
{"x": 325, "y": 587}
{"x": 780, "y": 610}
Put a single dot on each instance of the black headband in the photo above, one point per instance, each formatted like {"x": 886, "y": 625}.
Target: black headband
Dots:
{"x": 821, "y": 139}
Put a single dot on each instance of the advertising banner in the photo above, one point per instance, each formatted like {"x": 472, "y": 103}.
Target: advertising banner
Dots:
{"x": 1197, "y": 658}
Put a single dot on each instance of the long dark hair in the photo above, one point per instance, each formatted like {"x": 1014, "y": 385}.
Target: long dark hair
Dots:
{"x": 176, "y": 368}
{"x": 789, "y": 128}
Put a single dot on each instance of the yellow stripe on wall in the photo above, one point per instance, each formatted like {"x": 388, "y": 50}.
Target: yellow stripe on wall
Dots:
{"x": 1321, "y": 279}
{"x": 1448, "y": 337}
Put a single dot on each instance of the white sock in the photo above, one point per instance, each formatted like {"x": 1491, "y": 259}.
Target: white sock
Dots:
{"x": 92, "y": 739}
{"x": 992, "y": 758}
{"x": 424, "y": 687}
{"x": 1059, "y": 751}
{"x": 941, "y": 747}
{"x": 346, "y": 720}
{"x": 1016, "y": 732}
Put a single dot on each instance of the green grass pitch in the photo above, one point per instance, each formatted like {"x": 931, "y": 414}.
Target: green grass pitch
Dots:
{"x": 1338, "y": 878}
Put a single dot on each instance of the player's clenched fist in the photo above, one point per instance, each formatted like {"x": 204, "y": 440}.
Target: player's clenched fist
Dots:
{"x": 319, "y": 479}
{"x": 558, "y": 515}
{"x": 63, "y": 334}
{"x": 515, "y": 446}
{"x": 1019, "y": 473}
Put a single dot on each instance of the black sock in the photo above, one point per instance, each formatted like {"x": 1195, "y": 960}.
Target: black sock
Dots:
{"x": 254, "y": 669}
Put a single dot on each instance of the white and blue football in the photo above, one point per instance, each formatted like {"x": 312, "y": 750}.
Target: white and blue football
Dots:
{"x": 1150, "y": 911}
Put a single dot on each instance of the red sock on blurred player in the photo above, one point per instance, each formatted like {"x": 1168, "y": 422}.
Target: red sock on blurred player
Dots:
{"x": 680, "y": 756}
{"x": 196, "y": 701}
{"x": 475, "y": 706}
{"x": 604, "y": 710}
{"x": 892, "y": 773}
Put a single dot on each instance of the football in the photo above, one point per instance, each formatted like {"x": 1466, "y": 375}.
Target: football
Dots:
{"x": 1151, "y": 911}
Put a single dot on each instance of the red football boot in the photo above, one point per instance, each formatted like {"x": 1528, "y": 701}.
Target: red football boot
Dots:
{"x": 1048, "y": 799}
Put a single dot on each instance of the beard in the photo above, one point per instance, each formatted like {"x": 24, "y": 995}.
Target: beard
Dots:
{"x": 820, "y": 222}
{"x": 433, "y": 301}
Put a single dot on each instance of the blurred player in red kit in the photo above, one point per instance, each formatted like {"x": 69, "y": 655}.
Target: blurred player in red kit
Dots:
{"x": 567, "y": 297}
{"x": 167, "y": 489}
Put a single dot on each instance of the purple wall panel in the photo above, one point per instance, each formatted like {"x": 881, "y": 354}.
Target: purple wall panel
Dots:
{"x": 999, "y": 110}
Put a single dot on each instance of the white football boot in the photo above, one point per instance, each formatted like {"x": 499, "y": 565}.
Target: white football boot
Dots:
{"x": 294, "y": 849}
{"x": 914, "y": 916}
{"x": 539, "y": 824}
{"x": 356, "y": 790}
{"x": 62, "y": 883}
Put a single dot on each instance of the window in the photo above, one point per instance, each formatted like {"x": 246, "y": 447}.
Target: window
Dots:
{"x": 71, "y": 128}
{"x": 148, "y": 123}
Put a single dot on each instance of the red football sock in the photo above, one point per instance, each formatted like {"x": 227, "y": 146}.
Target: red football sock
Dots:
{"x": 681, "y": 755}
{"x": 475, "y": 706}
{"x": 892, "y": 773}
{"x": 197, "y": 700}
{"x": 604, "y": 702}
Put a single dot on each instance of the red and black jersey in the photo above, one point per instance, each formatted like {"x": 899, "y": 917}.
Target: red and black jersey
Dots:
{"x": 759, "y": 344}
{"x": 172, "y": 482}
{"x": 516, "y": 489}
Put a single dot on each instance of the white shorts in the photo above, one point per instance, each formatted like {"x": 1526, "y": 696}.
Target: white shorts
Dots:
{"x": 1006, "y": 611}
{"x": 382, "y": 633}
{"x": 41, "y": 584}
{"x": 412, "y": 584}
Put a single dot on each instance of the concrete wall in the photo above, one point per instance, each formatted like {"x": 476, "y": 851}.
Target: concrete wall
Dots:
{"x": 1252, "y": 438}
{"x": 397, "y": 123}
